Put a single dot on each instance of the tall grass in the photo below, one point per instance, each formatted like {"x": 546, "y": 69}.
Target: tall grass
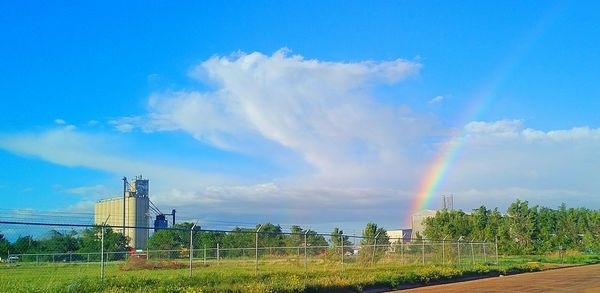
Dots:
{"x": 235, "y": 276}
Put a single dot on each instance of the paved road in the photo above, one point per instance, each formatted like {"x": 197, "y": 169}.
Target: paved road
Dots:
{"x": 576, "y": 279}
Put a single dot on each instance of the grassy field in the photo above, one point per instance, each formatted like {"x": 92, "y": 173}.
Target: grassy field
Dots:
{"x": 280, "y": 275}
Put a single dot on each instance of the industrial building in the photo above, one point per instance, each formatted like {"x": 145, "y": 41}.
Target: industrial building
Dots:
{"x": 131, "y": 210}
{"x": 418, "y": 226}
{"x": 399, "y": 236}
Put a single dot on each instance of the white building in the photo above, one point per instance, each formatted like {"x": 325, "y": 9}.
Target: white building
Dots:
{"x": 417, "y": 222}
{"x": 401, "y": 235}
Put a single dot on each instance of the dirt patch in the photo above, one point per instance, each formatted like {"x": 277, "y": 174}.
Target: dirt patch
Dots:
{"x": 135, "y": 263}
{"x": 573, "y": 279}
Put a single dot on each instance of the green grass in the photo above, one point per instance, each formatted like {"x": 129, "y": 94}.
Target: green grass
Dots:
{"x": 275, "y": 275}
{"x": 566, "y": 260}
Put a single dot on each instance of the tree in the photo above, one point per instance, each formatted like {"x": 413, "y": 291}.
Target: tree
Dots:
{"x": 25, "y": 244}
{"x": 480, "y": 218}
{"x": 164, "y": 239}
{"x": 523, "y": 229}
{"x": 521, "y": 224}
{"x": 239, "y": 238}
{"x": 371, "y": 231}
{"x": 338, "y": 237}
{"x": 546, "y": 230}
{"x": 296, "y": 238}
{"x": 59, "y": 242}
{"x": 317, "y": 243}
{"x": 208, "y": 239}
{"x": 4, "y": 246}
{"x": 270, "y": 236}
{"x": 91, "y": 240}
{"x": 448, "y": 224}
{"x": 371, "y": 236}
{"x": 493, "y": 225}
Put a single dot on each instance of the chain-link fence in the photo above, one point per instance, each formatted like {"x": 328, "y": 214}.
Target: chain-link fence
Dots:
{"x": 186, "y": 250}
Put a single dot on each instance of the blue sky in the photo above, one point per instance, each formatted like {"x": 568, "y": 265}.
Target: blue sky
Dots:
{"x": 313, "y": 113}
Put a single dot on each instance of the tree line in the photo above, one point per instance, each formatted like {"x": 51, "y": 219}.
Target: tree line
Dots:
{"x": 177, "y": 239}
{"x": 523, "y": 229}
{"x": 54, "y": 241}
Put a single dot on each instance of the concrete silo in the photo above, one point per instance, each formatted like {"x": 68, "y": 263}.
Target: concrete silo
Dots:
{"x": 131, "y": 210}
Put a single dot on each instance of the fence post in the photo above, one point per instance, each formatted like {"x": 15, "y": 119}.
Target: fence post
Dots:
{"x": 192, "y": 247}
{"x": 342, "y": 241}
{"x": 218, "y": 256}
{"x": 423, "y": 250}
{"x": 101, "y": 257}
{"x": 204, "y": 253}
{"x": 305, "y": 254}
{"x": 472, "y": 252}
{"x": 402, "y": 250}
{"x": 101, "y": 251}
{"x": 444, "y": 250}
{"x": 374, "y": 247}
{"x": 496, "y": 250}
{"x": 484, "y": 253}
{"x": 256, "y": 251}
{"x": 458, "y": 250}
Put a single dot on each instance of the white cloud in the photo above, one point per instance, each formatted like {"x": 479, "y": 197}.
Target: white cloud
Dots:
{"x": 68, "y": 147}
{"x": 153, "y": 77}
{"x": 89, "y": 191}
{"x": 59, "y": 121}
{"x": 84, "y": 206}
{"x": 503, "y": 154}
{"x": 437, "y": 99}
{"x": 321, "y": 111}
{"x": 126, "y": 124}
{"x": 291, "y": 204}
{"x": 349, "y": 156}
{"x": 360, "y": 152}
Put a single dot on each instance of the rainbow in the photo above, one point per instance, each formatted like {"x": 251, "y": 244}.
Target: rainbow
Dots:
{"x": 449, "y": 151}
{"x": 431, "y": 182}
